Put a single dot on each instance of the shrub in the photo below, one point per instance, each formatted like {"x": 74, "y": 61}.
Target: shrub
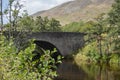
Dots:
{"x": 21, "y": 66}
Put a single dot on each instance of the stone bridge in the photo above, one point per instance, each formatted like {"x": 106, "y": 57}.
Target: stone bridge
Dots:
{"x": 65, "y": 42}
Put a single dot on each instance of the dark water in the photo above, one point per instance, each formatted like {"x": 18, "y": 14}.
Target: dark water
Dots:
{"x": 69, "y": 71}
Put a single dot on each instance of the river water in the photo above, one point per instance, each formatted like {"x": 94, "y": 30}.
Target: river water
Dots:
{"x": 68, "y": 70}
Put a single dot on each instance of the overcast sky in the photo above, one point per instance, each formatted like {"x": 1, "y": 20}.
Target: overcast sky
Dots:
{"x": 33, "y": 6}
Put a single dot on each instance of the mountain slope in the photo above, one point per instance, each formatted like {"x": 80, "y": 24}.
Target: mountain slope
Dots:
{"x": 77, "y": 10}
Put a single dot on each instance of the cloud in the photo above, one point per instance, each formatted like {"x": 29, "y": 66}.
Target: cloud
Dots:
{"x": 33, "y": 6}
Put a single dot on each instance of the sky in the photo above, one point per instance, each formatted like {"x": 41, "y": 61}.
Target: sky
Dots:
{"x": 33, "y": 6}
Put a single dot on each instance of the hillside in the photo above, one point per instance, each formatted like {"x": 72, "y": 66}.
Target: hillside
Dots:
{"x": 77, "y": 10}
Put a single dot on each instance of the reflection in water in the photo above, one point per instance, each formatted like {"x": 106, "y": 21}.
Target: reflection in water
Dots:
{"x": 69, "y": 71}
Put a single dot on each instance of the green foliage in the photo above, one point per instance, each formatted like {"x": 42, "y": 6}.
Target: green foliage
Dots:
{"x": 25, "y": 23}
{"x": 12, "y": 13}
{"x": 87, "y": 27}
{"x": 78, "y": 26}
{"x": 28, "y": 24}
{"x": 72, "y": 27}
{"x": 97, "y": 31}
{"x": 114, "y": 16}
{"x": 22, "y": 67}
{"x": 100, "y": 43}
{"x": 20, "y": 21}
{"x": 45, "y": 24}
{"x": 114, "y": 21}
{"x": 115, "y": 58}
{"x": 91, "y": 52}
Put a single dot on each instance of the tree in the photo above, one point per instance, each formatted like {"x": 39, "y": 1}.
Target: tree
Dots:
{"x": 26, "y": 23}
{"x": 114, "y": 20}
{"x": 97, "y": 30}
{"x": 40, "y": 23}
{"x": 12, "y": 14}
{"x": 45, "y": 24}
{"x": 53, "y": 25}
{"x": 1, "y": 13}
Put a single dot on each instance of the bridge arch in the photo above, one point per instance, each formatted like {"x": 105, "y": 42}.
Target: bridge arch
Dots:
{"x": 48, "y": 46}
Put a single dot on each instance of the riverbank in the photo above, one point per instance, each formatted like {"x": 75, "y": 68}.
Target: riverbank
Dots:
{"x": 114, "y": 60}
{"x": 69, "y": 70}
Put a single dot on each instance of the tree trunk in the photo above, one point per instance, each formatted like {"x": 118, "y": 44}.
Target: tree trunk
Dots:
{"x": 1, "y": 14}
{"x": 99, "y": 45}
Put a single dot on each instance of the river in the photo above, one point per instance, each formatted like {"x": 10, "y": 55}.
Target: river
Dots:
{"x": 68, "y": 70}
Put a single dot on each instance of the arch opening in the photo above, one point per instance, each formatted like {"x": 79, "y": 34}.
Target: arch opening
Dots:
{"x": 47, "y": 46}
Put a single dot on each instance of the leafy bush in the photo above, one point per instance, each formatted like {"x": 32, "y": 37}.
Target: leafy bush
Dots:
{"x": 115, "y": 58}
{"x": 22, "y": 67}
{"x": 90, "y": 50}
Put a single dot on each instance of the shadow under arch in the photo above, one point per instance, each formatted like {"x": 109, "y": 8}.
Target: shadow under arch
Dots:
{"x": 47, "y": 46}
